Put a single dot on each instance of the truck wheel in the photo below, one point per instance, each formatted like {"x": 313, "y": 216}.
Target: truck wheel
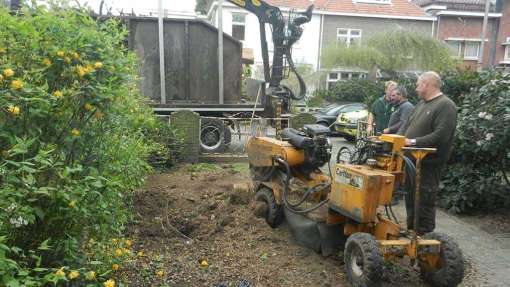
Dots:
{"x": 344, "y": 155}
{"x": 363, "y": 260}
{"x": 274, "y": 213}
{"x": 451, "y": 261}
{"x": 214, "y": 135}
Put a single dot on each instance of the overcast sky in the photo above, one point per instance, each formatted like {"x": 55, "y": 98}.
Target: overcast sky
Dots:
{"x": 144, "y": 5}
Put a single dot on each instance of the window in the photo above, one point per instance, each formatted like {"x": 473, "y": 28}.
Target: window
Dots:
{"x": 334, "y": 77}
{"x": 471, "y": 50}
{"x": 348, "y": 36}
{"x": 238, "y": 23}
{"x": 454, "y": 48}
{"x": 507, "y": 53}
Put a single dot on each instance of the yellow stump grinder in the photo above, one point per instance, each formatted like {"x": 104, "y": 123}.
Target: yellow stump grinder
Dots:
{"x": 349, "y": 205}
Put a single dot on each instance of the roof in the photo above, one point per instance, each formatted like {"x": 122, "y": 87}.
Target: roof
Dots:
{"x": 396, "y": 8}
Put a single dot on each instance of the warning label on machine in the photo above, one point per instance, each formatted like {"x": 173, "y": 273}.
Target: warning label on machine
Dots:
{"x": 345, "y": 177}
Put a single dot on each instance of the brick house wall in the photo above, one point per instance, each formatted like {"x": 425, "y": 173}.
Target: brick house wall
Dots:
{"x": 463, "y": 30}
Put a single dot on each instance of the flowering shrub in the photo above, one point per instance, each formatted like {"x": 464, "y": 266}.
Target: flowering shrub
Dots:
{"x": 74, "y": 142}
{"x": 477, "y": 179}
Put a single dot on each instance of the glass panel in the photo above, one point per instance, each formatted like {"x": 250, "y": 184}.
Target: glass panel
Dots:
{"x": 355, "y": 32}
{"x": 507, "y": 52}
{"x": 343, "y": 31}
{"x": 333, "y": 76}
{"x": 471, "y": 50}
{"x": 345, "y": 75}
{"x": 454, "y": 47}
{"x": 238, "y": 18}
{"x": 238, "y": 32}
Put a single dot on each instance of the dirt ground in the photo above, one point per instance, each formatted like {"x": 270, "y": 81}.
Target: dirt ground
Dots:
{"x": 198, "y": 231}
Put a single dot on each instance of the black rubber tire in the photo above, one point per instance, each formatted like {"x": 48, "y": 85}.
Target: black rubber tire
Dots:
{"x": 218, "y": 136}
{"x": 274, "y": 215}
{"x": 344, "y": 155}
{"x": 451, "y": 272}
{"x": 363, "y": 260}
{"x": 349, "y": 138}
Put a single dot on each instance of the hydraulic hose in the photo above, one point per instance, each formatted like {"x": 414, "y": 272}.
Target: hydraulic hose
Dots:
{"x": 286, "y": 181}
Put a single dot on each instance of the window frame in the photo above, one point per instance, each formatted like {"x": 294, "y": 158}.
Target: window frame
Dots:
{"x": 459, "y": 47}
{"x": 506, "y": 56}
{"x": 348, "y": 35}
{"x": 239, "y": 24}
{"x": 477, "y": 50}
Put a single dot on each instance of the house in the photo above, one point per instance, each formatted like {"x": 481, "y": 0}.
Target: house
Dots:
{"x": 354, "y": 21}
{"x": 348, "y": 21}
{"x": 460, "y": 23}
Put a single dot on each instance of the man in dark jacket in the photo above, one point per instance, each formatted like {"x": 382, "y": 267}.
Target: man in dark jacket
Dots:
{"x": 431, "y": 125}
{"x": 403, "y": 109}
{"x": 380, "y": 111}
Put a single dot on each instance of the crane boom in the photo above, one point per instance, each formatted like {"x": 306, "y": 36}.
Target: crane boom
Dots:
{"x": 285, "y": 34}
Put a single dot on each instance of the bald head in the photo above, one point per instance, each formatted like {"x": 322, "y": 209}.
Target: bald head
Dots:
{"x": 428, "y": 85}
{"x": 432, "y": 78}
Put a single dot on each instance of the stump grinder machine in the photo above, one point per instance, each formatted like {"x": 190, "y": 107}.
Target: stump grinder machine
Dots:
{"x": 344, "y": 206}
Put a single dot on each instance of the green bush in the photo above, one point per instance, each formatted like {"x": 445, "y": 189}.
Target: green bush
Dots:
{"x": 477, "y": 178}
{"x": 356, "y": 90}
{"x": 74, "y": 143}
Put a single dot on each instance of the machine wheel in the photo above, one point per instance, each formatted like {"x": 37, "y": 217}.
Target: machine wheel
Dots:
{"x": 344, "y": 155}
{"x": 363, "y": 260}
{"x": 451, "y": 261}
{"x": 214, "y": 135}
{"x": 274, "y": 214}
{"x": 349, "y": 138}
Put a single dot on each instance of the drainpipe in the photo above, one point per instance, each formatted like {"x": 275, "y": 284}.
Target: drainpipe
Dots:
{"x": 484, "y": 33}
{"x": 161, "y": 53}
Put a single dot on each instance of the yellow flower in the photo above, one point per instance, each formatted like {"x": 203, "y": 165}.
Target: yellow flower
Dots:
{"x": 46, "y": 62}
{"x": 88, "y": 107}
{"x": 72, "y": 204}
{"x": 139, "y": 254}
{"x": 60, "y": 272}
{"x": 75, "y": 55}
{"x": 203, "y": 263}
{"x": 60, "y": 53}
{"x": 89, "y": 68}
{"x": 128, "y": 243}
{"x": 98, "y": 115}
{"x": 109, "y": 283}
{"x": 80, "y": 71}
{"x": 2, "y": 50}
{"x": 17, "y": 85}
{"x": 126, "y": 251}
{"x": 91, "y": 275}
{"x": 73, "y": 274}
{"x": 160, "y": 273}
{"x": 115, "y": 241}
{"x": 13, "y": 110}
{"x": 115, "y": 267}
{"x": 75, "y": 132}
{"x": 8, "y": 73}
{"x": 1, "y": 78}
{"x": 98, "y": 65}
{"x": 118, "y": 252}
{"x": 57, "y": 94}
{"x": 67, "y": 60}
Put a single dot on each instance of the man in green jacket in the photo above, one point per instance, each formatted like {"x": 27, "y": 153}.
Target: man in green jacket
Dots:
{"x": 381, "y": 110}
{"x": 431, "y": 125}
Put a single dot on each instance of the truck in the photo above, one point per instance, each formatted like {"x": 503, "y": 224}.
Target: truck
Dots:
{"x": 191, "y": 70}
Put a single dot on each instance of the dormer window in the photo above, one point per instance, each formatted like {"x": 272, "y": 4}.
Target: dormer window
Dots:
{"x": 386, "y": 2}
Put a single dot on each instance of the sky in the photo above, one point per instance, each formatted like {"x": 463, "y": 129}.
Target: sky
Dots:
{"x": 144, "y": 5}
